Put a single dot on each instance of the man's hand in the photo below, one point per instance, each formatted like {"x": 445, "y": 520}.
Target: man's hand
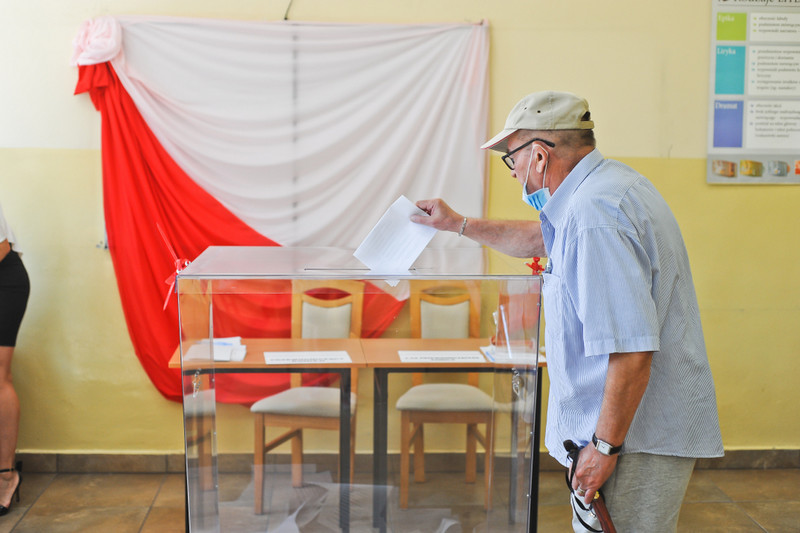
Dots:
{"x": 442, "y": 217}
{"x": 592, "y": 471}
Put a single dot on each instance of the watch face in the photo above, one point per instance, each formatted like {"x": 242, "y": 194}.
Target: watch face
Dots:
{"x": 603, "y": 447}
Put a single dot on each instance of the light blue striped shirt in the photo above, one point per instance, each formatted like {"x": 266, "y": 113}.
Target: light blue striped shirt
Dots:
{"x": 618, "y": 280}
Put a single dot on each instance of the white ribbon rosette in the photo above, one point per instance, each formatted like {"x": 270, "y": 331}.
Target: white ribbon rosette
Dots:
{"x": 98, "y": 40}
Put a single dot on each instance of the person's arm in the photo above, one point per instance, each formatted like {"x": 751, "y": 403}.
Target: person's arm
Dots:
{"x": 517, "y": 238}
{"x": 626, "y": 381}
{"x": 5, "y": 247}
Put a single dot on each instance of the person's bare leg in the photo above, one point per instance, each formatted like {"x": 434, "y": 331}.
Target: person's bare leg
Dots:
{"x": 9, "y": 427}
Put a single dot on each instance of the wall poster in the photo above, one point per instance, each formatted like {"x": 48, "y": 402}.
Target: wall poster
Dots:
{"x": 754, "y": 103}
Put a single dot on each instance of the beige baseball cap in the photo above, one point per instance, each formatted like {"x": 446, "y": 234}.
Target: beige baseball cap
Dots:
{"x": 545, "y": 110}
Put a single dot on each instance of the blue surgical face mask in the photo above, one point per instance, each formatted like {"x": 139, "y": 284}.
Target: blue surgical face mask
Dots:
{"x": 538, "y": 198}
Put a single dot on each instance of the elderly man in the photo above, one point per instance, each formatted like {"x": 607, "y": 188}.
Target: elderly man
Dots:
{"x": 629, "y": 377}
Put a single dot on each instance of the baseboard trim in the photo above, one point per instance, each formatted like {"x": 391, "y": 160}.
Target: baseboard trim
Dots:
{"x": 78, "y": 463}
{"x": 443, "y": 462}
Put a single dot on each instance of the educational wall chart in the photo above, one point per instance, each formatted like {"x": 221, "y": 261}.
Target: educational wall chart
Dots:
{"x": 754, "y": 111}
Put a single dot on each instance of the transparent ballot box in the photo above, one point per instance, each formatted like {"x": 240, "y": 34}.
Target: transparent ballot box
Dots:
{"x": 321, "y": 396}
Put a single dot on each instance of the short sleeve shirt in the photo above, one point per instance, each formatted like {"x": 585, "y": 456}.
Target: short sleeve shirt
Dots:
{"x": 618, "y": 280}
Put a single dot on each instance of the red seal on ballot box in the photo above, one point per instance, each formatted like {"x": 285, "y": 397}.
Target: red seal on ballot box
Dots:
{"x": 536, "y": 266}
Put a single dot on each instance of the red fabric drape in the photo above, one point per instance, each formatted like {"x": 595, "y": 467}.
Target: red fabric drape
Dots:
{"x": 143, "y": 189}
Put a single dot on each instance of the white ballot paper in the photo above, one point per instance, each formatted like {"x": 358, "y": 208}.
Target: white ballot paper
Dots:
{"x": 395, "y": 242}
{"x": 225, "y": 349}
{"x": 320, "y": 357}
{"x": 440, "y": 356}
{"x": 503, "y": 355}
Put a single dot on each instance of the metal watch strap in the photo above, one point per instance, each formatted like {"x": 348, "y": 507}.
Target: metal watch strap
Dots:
{"x": 604, "y": 447}
{"x": 463, "y": 227}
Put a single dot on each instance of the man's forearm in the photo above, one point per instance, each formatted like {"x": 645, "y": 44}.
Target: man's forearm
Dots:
{"x": 626, "y": 381}
{"x": 517, "y": 238}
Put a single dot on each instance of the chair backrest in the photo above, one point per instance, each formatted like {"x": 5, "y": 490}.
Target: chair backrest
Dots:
{"x": 327, "y": 309}
{"x": 445, "y": 309}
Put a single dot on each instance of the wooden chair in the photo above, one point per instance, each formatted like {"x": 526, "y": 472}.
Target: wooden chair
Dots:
{"x": 320, "y": 309}
{"x": 445, "y": 309}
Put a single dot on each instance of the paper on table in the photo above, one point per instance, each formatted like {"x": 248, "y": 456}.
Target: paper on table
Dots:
{"x": 320, "y": 357}
{"x": 505, "y": 356}
{"x": 395, "y": 242}
{"x": 225, "y": 349}
{"x": 440, "y": 356}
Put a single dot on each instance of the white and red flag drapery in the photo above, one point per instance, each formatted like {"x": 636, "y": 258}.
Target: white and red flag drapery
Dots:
{"x": 271, "y": 134}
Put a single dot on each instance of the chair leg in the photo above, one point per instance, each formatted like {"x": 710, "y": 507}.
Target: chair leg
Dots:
{"x": 472, "y": 453}
{"x": 405, "y": 444}
{"x": 297, "y": 459}
{"x": 258, "y": 465}
{"x": 419, "y": 453}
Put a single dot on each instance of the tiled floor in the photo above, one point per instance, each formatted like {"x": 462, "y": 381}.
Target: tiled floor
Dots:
{"x": 717, "y": 500}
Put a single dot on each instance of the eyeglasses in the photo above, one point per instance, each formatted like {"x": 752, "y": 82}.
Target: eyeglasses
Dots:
{"x": 509, "y": 161}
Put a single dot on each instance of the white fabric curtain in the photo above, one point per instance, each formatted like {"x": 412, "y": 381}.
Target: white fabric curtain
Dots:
{"x": 308, "y": 132}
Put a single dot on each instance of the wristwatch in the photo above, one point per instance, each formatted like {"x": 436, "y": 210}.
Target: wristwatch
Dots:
{"x": 604, "y": 447}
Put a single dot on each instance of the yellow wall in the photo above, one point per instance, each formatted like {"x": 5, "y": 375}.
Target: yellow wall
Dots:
{"x": 644, "y": 69}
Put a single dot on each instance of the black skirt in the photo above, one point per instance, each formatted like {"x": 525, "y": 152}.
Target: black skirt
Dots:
{"x": 14, "y": 290}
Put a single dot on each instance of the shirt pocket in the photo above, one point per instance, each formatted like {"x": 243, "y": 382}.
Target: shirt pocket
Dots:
{"x": 553, "y": 315}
